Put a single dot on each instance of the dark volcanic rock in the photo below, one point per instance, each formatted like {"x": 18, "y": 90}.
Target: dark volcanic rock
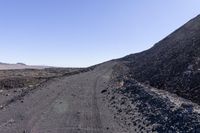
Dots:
{"x": 149, "y": 110}
{"x": 172, "y": 64}
{"x": 158, "y": 111}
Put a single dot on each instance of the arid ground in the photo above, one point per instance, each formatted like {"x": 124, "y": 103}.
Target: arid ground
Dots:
{"x": 153, "y": 91}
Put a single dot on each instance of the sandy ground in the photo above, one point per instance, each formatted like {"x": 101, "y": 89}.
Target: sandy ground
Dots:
{"x": 66, "y": 105}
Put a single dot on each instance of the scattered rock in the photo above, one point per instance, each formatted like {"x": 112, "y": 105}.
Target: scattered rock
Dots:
{"x": 1, "y": 106}
{"x": 103, "y": 91}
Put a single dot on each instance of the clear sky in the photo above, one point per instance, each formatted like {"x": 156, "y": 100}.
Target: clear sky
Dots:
{"x": 85, "y": 32}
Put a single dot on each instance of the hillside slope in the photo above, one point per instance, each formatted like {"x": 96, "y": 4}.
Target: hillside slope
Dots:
{"x": 173, "y": 64}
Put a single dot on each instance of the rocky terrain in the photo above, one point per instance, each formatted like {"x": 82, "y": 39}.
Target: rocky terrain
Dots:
{"x": 143, "y": 109}
{"x": 173, "y": 64}
{"x": 16, "y": 83}
{"x": 155, "y": 91}
{"x": 18, "y": 78}
{"x": 158, "y": 90}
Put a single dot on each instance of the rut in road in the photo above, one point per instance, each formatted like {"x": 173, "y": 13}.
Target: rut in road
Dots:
{"x": 95, "y": 108}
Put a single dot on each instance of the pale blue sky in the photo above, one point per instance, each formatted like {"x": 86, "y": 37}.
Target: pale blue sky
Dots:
{"x": 85, "y": 32}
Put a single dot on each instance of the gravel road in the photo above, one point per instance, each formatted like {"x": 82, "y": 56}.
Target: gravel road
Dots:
{"x": 71, "y": 104}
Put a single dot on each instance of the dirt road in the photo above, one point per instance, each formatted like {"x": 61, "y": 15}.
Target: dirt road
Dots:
{"x": 68, "y": 105}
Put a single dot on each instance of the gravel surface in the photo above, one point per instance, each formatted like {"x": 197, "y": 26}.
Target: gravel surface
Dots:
{"x": 71, "y": 104}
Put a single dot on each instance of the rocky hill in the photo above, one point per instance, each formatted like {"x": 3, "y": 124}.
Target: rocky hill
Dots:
{"x": 173, "y": 64}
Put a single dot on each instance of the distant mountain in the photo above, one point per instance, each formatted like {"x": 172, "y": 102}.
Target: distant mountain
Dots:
{"x": 6, "y": 66}
{"x": 173, "y": 64}
{"x": 21, "y": 64}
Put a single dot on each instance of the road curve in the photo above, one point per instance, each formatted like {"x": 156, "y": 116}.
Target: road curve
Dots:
{"x": 68, "y": 105}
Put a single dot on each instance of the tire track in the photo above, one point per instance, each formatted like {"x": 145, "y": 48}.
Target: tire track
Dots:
{"x": 95, "y": 109}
